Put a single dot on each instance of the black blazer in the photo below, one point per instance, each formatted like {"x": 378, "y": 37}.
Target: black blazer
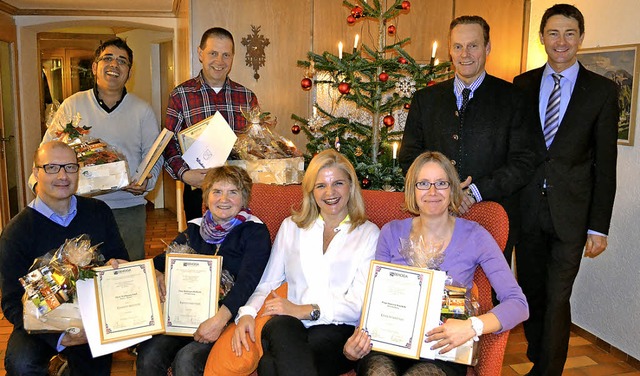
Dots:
{"x": 580, "y": 165}
{"x": 493, "y": 146}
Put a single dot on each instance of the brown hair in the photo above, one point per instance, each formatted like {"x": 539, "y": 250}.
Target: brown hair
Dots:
{"x": 231, "y": 174}
{"x": 412, "y": 178}
{"x": 470, "y": 20}
{"x": 217, "y": 32}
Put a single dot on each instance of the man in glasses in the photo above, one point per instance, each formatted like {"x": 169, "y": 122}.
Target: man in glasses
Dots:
{"x": 125, "y": 122}
{"x": 55, "y": 215}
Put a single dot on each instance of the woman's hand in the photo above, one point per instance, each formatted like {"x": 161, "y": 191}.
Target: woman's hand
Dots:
{"x": 450, "y": 335}
{"x": 278, "y": 305}
{"x": 246, "y": 324}
{"x": 358, "y": 345}
{"x": 209, "y": 331}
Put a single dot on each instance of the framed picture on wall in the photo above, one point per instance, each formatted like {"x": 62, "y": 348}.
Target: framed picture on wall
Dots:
{"x": 619, "y": 64}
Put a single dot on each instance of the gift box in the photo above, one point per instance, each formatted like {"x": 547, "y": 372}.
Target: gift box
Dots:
{"x": 103, "y": 178}
{"x": 281, "y": 171}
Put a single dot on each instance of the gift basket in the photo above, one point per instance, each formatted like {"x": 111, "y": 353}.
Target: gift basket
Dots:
{"x": 458, "y": 302}
{"x": 49, "y": 301}
{"x": 268, "y": 157}
{"x": 102, "y": 168}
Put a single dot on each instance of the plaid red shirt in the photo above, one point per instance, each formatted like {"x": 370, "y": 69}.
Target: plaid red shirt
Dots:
{"x": 193, "y": 101}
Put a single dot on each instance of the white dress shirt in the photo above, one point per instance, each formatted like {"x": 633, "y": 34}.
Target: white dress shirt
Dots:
{"x": 334, "y": 280}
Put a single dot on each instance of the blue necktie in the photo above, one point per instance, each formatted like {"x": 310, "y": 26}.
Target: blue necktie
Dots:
{"x": 552, "y": 116}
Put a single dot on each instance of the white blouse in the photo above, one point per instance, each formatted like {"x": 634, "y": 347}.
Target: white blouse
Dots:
{"x": 335, "y": 280}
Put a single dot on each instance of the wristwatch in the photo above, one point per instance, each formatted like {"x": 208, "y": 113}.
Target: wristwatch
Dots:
{"x": 315, "y": 312}
{"x": 478, "y": 326}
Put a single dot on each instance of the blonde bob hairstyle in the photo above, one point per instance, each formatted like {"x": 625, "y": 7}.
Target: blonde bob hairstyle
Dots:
{"x": 309, "y": 210}
{"x": 230, "y": 174}
{"x": 410, "y": 202}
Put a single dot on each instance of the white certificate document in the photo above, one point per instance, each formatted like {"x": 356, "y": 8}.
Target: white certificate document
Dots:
{"x": 397, "y": 304}
{"x": 128, "y": 301}
{"x": 89, "y": 311}
{"x": 192, "y": 283}
{"x": 213, "y": 145}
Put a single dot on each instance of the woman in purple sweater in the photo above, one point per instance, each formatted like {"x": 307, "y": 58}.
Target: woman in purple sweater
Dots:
{"x": 433, "y": 192}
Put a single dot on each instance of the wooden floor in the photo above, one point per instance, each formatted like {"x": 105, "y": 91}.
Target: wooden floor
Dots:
{"x": 585, "y": 357}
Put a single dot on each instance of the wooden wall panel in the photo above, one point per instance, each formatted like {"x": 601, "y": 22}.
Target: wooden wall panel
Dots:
{"x": 426, "y": 22}
{"x": 506, "y": 19}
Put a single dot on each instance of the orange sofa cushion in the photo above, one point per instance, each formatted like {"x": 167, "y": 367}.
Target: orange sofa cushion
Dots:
{"x": 222, "y": 362}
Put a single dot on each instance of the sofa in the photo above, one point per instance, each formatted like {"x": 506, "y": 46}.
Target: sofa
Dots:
{"x": 272, "y": 204}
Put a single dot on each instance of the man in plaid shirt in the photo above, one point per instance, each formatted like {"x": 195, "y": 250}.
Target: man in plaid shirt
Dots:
{"x": 197, "y": 99}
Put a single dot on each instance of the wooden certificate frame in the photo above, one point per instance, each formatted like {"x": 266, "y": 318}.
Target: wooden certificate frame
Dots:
{"x": 128, "y": 301}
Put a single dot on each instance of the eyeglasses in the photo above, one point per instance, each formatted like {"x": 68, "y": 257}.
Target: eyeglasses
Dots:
{"x": 426, "y": 185}
{"x": 108, "y": 59}
{"x": 52, "y": 168}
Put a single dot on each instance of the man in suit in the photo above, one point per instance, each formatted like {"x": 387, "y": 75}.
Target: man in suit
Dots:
{"x": 478, "y": 121}
{"x": 567, "y": 206}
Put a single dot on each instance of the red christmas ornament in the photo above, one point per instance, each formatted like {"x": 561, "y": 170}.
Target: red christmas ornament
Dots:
{"x": 389, "y": 121}
{"x": 295, "y": 129}
{"x": 365, "y": 182}
{"x": 344, "y": 88}
{"x": 431, "y": 83}
{"x": 384, "y": 76}
{"x": 391, "y": 29}
{"x": 351, "y": 20}
{"x": 406, "y": 5}
{"x": 402, "y": 60}
{"x": 407, "y": 106}
{"x": 357, "y": 12}
{"x": 306, "y": 83}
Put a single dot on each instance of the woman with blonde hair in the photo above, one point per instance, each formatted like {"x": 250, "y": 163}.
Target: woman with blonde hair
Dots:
{"x": 319, "y": 251}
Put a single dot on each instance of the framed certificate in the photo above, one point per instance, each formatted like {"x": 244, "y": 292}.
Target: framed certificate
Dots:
{"x": 128, "y": 301}
{"x": 399, "y": 307}
{"x": 192, "y": 283}
{"x": 188, "y": 136}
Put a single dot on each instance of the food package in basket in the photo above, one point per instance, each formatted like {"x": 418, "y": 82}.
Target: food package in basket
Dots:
{"x": 49, "y": 301}
{"x": 102, "y": 168}
{"x": 268, "y": 157}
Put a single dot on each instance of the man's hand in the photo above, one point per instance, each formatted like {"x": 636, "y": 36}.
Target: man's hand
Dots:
{"x": 209, "y": 331}
{"x": 137, "y": 189}
{"x": 70, "y": 339}
{"x": 596, "y": 244}
{"x": 467, "y": 199}
{"x": 194, "y": 177}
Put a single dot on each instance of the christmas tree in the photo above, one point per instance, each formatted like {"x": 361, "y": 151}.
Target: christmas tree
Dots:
{"x": 361, "y": 94}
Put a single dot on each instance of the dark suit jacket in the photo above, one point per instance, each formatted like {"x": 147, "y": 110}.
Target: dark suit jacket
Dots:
{"x": 493, "y": 146}
{"x": 580, "y": 165}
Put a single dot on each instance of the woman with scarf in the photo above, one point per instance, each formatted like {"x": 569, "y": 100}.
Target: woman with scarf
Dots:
{"x": 226, "y": 229}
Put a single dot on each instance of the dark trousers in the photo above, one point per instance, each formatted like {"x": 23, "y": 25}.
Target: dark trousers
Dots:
{"x": 29, "y": 355}
{"x": 192, "y": 200}
{"x": 547, "y": 267}
{"x": 185, "y": 356}
{"x": 290, "y": 349}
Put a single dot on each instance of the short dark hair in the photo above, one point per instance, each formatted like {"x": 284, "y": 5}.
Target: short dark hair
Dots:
{"x": 116, "y": 42}
{"x": 467, "y": 20}
{"x": 219, "y": 33}
{"x": 566, "y": 10}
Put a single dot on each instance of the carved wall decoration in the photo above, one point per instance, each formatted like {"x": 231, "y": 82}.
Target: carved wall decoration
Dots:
{"x": 255, "y": 56}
